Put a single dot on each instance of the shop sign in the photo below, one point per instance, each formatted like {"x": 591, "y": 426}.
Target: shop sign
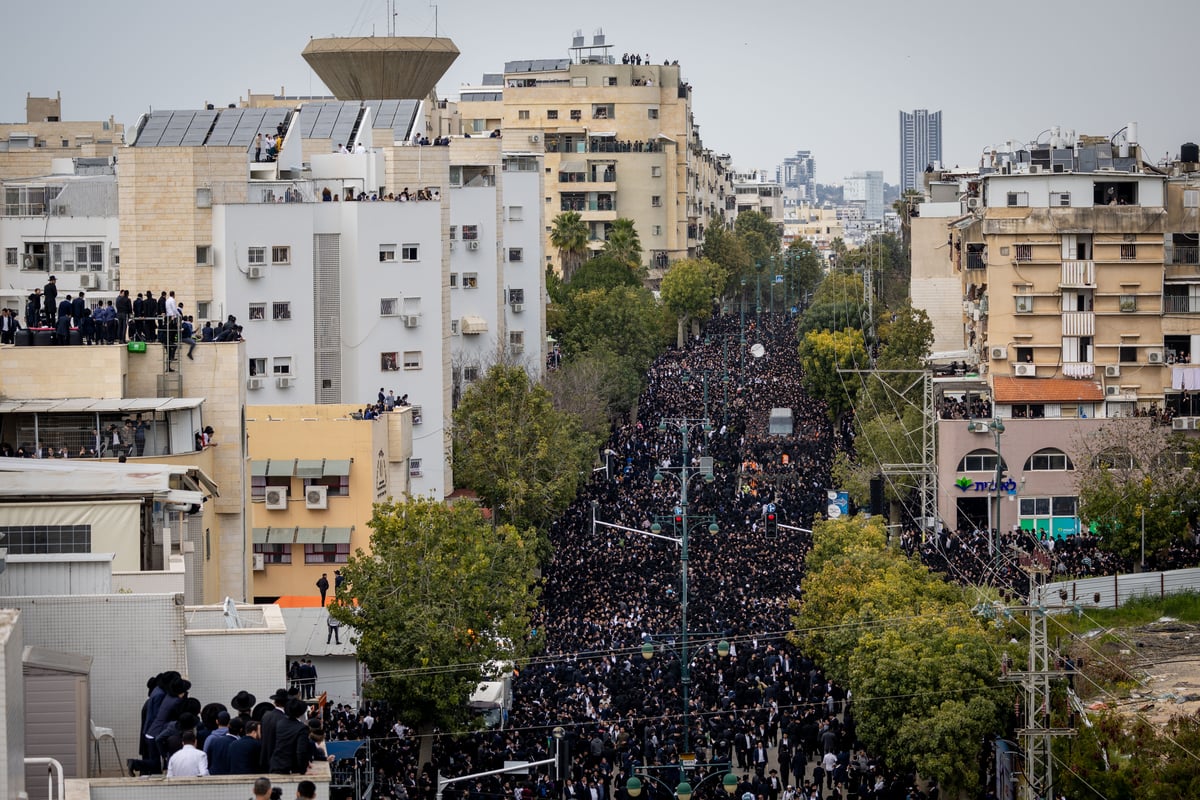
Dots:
{"x": 968, "y": 484}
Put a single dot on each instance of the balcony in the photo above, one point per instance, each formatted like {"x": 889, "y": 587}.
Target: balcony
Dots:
{"x": 1181, "y": 304}
{"x": 1079, "y": 323}
{"x": 1078, "y": 369}
{"x": 1078, "y": 273}
{"x": 1182, "y": 255}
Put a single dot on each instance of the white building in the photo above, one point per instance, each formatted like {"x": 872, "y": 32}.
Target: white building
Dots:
{"x": 865, "y": 190}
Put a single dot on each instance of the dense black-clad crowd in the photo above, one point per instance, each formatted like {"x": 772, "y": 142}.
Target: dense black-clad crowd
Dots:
{"x": 764, "y": 710}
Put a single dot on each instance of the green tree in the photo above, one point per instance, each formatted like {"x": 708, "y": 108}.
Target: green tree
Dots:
{"x": 624, "y": 245}
{"x": 722, "y": 246}
{"x": 803, "y": 269}
{"x": 515, "y": 450}
{"x": 569, "y": 235}
{"x": 602, "y": 272}
{"x": 690, "y": 288}
{"x": 822, "y": 355}
{"x": 836, "y": 304}
{"x": 441, "y": 592}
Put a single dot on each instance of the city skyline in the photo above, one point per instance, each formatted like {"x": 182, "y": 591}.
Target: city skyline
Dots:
{"x": 755, "y": 111}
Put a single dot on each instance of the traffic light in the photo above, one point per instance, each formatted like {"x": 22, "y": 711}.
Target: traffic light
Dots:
{"x": 678, "y": 521}
{"x": 770, "y": 519}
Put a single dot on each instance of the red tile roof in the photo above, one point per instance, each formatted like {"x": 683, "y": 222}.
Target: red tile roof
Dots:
{"x": 1045, "y": 390}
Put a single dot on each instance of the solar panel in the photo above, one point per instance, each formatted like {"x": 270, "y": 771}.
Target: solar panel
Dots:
{"x": 227, "y": 123}
{"x": 243, "y": 136}
{"x": 152, "y": 131}
{"x": 326, "y": 119}
{"x": 385, "y": 113}
{"x": 344, "y": 127}
{"x": 197, "y": 132}
{"x": 406, "y": 115}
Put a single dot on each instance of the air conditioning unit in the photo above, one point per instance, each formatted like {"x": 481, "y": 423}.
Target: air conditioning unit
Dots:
{"x": 535, "y": 138}
{"x": 412, "y": 320}
{"x": 1112, "y": 391}
{"x": 284, "y": 382}
{"x": 1154, "y": 356}
{"x": 277, "y": 498}
{"x": 87, "y": 281}
{"x": 1025, "y": 370}
{"x": 999, "y": 353}
{"x": 254, "y": 383}
{"x": 451, "y": 244}
{"x": 1024, "y": 304}
{"x": 974, "y": 203}
{"x": 977, "y": 427}
{"x": 1183, "y": 424}
{"x": 1034, "y": 169}
{"x": 316, "y": 497}
{"x": 255, "y": 272}
{"x": 517, "y": 308}
{"x": 260, "y": 562}
{"x": 1112, "y": 371}
{"x": 472, "y": 245}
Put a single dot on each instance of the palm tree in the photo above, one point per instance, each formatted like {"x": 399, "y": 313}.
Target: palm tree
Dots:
{"x": 570, "y": 236}
{"x": 623, "y": 244}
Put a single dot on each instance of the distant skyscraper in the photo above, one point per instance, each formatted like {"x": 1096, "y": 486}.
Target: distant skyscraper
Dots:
{"x": 799, "y": 172}
{"x": 865, "y": 189}
{"x": 920, "y": 145}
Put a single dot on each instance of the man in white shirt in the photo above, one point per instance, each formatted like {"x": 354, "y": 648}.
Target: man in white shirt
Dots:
{"x": 188, "y": 762}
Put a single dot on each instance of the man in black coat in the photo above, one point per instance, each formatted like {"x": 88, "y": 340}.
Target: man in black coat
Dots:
{"x": 124, "y": 312}
{"x": 50, "y": 298}
{"x": 291, "y": 751}
{"x": 270, "y": 723}
{"x": 245, "y": 754}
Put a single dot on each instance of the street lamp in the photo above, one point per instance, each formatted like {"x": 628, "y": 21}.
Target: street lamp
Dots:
{"x": 684, "y": 790}
{"x": 996, "y": 426}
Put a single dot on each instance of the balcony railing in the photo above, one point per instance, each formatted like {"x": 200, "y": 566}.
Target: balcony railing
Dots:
{"x": 976, "y": 261}
{"x": 1079, "y": 273}
{"x": 1183, "y": 254}
{"x": 1181, "y": 304}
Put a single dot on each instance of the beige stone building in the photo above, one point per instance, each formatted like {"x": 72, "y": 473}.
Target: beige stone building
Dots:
{"x": 27, "y": 149}
{"x": 620, "y": 142}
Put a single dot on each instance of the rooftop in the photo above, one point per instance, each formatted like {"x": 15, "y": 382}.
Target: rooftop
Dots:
{"x": 1045, "y": 390}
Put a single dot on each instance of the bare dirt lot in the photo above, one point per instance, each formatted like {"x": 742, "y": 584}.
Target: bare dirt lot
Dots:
{"x": 1157, "y": 666}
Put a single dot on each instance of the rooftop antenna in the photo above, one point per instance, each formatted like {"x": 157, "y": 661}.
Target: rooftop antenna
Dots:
{"x": 435, "y": 19}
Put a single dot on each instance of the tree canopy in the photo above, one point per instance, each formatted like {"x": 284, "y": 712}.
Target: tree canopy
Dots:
{"x": 569, "y": 235}
{"x": 515, "y": 450}
{"x": 822, "y": 355}
{"x": 690, "y": 288}
{"x": 624, "y": 245}
{"x": 441, "y": 593}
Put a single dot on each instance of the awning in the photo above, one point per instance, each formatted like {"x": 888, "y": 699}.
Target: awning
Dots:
{"x": 121, "y": 405}
{"x": 258, "y": 469}
{"x": 338, "y": 535}
{"x": 572, "y": 166}
{"x": 281, "y": 535}
{"x": 336, "y": 468}
{"x": 260, "y": 535}
{"x": 309, "y": 468}
{"x": 473, "y": 325}
{"x": 310, "y": 535}
{"x": 603, "y": 134}
{"x": 281, "y": 467}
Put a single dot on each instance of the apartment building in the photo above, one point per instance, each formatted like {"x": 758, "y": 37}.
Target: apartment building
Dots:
{"x": 620, "y": 142}
{"x": 754, "y": 191}
{"x": 28, "y": 149}
{"x": 1081, "y": 303}
{"x": 920, "y": 145}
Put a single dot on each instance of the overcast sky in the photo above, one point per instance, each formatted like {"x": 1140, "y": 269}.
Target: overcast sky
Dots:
{"x": 770, "y": 77}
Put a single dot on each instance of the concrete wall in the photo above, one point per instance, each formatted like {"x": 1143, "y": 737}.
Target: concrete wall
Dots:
{"x": 1115, "y": 590}
{"x": 936, "y": 287}
{"x": 23, "y": 373}
{"x": 223, "y": 661}
{"x": 213, "y": 787}
{"x": 12, "y": 694}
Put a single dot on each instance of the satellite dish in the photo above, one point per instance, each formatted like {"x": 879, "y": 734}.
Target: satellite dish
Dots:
{"x": 757, "y": 350}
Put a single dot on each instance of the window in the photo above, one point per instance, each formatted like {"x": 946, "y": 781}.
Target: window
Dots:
{"x": 258, "y": 311}
{"x": 389, "y": 362}
{"x": 516, "y": 213}
{"x": 281, "y": 254}
{"x": 412, "y": 359}
{"x": 1077, "y": 349}
{"x": 1047, "y": 506}
{"x": 414, "y": 467}
{"x": 1024, "y": 252}
{"x": 35, "y": 539}
{"x": 1060, "y": 199}
{"x": 516, "y": 295}
{"x": 203, "y": 255}
{"x": 576, "y": 114}
{"x": 337, "y": 485}
{"x": 281, "y": 310}
{"x": 470, "y": 374}
{"x": 282, "y": 365}
{"x": 10, "y": 256}
{"x": 453, "y": 280}
{"x": 1029, "y": 411}
{"x": 656, "y": 230}
{"x": 470, "y": 233}
{"x": 516, "y": 341}
{"x": 1114, "y": 193}
{"x": 204, "y": 197}
{"x": 602, "y": 111}
{"x": 1018, "y": 199}
{"x": 256, "y": 255}
{"x": 326, "y": 553}
{"x": 552, "y": 114}
{"x": 1115, "y": 458}
{"x": 258, "y": 366}
{"x": 453, "y": 232}
{"x": 259, "y": 484}
{"x": 610, "y": 80}
{"x": 388, "y": 306}
{"x": 656, "y": 172}
{"x": 1191, "y": 198}
{"x": 516, "y": 254}
{"x": 202, "y": 308}
{"x": 1049, "y": 459}
{"x": 1127, "y": 354}
{"x": 410, "y": 252}
{"x": 980, "y": 461}
{"x": 275, "y": 553}
{"x": 417, "y": 419}
{"x": 656, "y": 201}
{"x": 470, "y": 280}
{"x": 1128, "y": 252}
{"x": 1129, "y": 302}
{"x": 1024, "y": 303}
{"x": 523, "y": 114}
{"x": 651, "y": 113}
{"x": 387, "y": 253}
{"x": 454, "y": 327}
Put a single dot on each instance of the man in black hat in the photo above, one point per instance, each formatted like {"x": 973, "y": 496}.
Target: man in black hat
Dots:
{"x": 323, "y": 586}
{"x": 50, "y": 298}
{"x": 270, "y": 722}
{"x": 243, "y": 702}
{"x": 291, "y": 747}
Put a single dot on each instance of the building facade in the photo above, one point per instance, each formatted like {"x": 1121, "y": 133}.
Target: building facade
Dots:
{"x": 28, "y": 149}
{"x": 920, "y": 146}
{"x": 865, "y": 190}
